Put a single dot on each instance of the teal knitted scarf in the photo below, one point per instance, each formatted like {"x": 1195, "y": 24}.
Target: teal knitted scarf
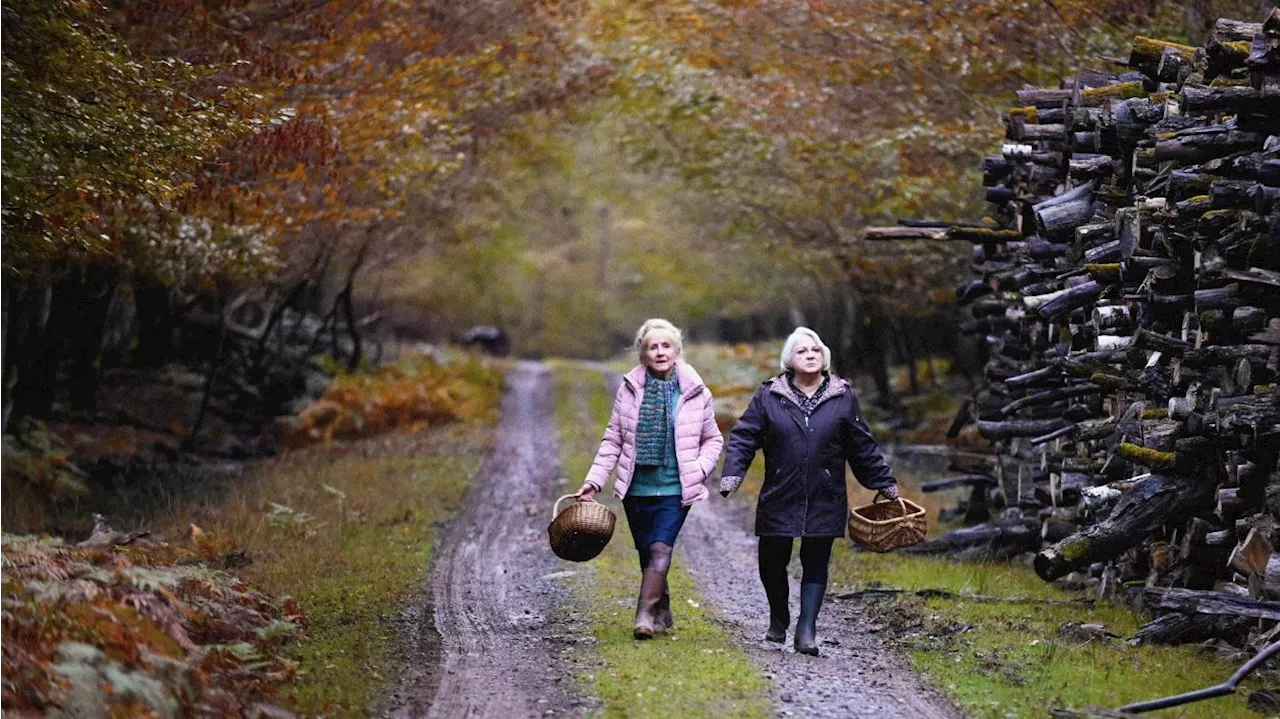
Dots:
{"x": 654, "y": 425}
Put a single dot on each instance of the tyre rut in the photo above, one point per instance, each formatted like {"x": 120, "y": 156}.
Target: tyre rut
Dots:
{"x": 485, "y": 640}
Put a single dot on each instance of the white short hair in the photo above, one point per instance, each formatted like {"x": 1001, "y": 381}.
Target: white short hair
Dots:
{"x": 660, "y": 326}
{"x": 788, "y": 348}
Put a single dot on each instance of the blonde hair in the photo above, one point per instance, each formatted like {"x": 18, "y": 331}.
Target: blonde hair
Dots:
{"x": 788, "y": 348}
{"x": 662, "y": 326}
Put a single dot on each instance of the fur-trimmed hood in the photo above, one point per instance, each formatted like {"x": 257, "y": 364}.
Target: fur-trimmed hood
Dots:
{"x": 836, "y": 386}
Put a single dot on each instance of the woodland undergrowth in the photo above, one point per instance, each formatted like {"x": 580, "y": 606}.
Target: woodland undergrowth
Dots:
{"x": 275, "y": 591}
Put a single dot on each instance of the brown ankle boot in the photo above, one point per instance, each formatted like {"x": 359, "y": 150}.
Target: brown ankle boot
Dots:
{"x": 662, "y": 619}
{"x": 650, "y": 593}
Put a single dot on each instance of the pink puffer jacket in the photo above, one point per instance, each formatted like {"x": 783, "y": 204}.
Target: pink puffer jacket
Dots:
{"x": 698, "y": 439}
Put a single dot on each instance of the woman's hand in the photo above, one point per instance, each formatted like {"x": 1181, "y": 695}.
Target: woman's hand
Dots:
{"x": 587, "y": 493}
{"x": 890, "y": 492}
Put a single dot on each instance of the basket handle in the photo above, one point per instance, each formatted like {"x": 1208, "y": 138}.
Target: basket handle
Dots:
{"x": 555, "y": 510}
{"x": 901, "y": 502}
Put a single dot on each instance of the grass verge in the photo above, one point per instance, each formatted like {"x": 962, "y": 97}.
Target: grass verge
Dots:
{"x": 693, "y": 671}
{"x": 1006, "y": 659}
{"x": 347, "y": 532}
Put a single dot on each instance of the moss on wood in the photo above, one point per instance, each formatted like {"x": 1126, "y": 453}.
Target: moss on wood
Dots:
{"x": 1150, "y": 458}
{"x": 1096, "y": 96}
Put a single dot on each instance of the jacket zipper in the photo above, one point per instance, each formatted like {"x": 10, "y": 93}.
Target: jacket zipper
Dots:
{"x": 807, "y": 452}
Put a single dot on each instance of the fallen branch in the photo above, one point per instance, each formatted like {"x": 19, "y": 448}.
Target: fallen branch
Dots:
{"x": 875, "y": 592}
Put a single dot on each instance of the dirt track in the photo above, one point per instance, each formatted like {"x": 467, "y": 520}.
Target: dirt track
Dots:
{"x": 489, "y": 637}
{"x": 493, "y": 636}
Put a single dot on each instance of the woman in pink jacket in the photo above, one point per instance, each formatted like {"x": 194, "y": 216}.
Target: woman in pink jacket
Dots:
{"x": 664, "y": 442}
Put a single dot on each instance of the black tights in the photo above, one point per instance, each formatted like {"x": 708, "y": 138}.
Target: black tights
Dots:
{"x": 656, "y": 556}
{"x": 775, "y": 553}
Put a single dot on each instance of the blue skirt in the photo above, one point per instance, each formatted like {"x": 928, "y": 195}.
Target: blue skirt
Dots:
{"x": 654, "y": 519}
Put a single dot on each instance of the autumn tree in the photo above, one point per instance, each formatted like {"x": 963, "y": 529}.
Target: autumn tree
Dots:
{"x": 181, "y": 155}
{"x": 809, "y": 121}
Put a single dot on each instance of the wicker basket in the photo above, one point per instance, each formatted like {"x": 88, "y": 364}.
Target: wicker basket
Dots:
{"x": 882, "y": 526}
{"x": 581, "y": 531}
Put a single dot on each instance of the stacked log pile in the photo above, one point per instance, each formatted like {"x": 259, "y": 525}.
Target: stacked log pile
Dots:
{"x": 1130, "y": 301}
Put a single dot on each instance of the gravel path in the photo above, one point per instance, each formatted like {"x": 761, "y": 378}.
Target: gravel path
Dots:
{"x": 500, "y": 638}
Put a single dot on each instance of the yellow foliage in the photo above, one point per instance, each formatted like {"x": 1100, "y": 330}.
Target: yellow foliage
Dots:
{"x": 415, "y": 393}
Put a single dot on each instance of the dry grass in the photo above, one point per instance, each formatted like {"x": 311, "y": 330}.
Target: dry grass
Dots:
{"x": 346, "y": 530}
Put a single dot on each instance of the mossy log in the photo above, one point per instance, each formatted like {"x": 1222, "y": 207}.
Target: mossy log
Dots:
{"x": 1146, "y": 51}
{"x": 1189, "y": 183}
{"x": 1145, "y": 507}
{"x": 1099, "y": 96}
{"x": 1153, "y": 459}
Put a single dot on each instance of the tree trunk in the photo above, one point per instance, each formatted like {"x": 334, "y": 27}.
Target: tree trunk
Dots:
{"x": 38, "y": 369}
{"x": 5, "y": 383}
{"x": 871, "y": 348}
{"x": 156, "y": 323}
{"x": 94, "y": 288}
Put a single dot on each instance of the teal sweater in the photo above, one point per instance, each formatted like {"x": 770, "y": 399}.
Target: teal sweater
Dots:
{"x": 664, "y": 481}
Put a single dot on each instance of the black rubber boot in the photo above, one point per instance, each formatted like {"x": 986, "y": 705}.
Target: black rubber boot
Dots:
{"x": 775, "y": 552}
{"x": 806, "y": 641}
{"x": 779, "y": 610}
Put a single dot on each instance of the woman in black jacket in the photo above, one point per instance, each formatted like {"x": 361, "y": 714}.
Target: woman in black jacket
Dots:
{"x": 809, "y": 425}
